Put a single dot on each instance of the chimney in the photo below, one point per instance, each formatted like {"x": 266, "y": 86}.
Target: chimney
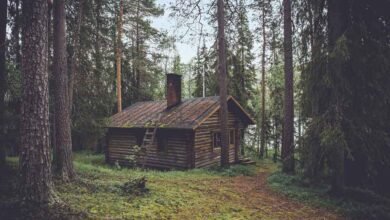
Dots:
{"x": 173, "y": 90}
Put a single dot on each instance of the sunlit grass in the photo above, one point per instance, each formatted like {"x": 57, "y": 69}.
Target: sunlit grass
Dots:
{"x": 173, "y": 194}
{"x": 238, "y": 192}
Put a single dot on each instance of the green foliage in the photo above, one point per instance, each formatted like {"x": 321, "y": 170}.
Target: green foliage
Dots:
{"x": 134, "y": 187}
{"x": 204, "y": 65}
{"x": 101, "y": 190}
{"x": 133, "y": 158}
{"x": 142, "y": 71}
{"x": 240, "y": 59}
{"x": 345, "y": 97}
{"x": 236, "y": 170}
{"x": 355, "y": 203}
{"x": 10, "y": 128}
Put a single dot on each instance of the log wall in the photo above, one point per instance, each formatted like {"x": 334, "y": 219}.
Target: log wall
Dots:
{"x": 177, "y": 153}
{"x": 185, "y": 148}
{"x": 205, "y": 155}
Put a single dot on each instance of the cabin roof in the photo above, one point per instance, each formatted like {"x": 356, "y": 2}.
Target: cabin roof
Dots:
{"x": 189, "y": 114}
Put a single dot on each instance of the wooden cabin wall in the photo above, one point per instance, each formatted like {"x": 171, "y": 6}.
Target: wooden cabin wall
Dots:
{"x": 205, "y": 155}
{"x": 121, "y": 144}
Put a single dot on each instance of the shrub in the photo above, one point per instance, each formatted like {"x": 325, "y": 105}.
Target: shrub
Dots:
{"x": 134, "y": 187}
{"x": 236, "y": 170}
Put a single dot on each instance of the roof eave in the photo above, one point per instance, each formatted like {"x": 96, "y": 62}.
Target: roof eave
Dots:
{"x": 139, "y": 127}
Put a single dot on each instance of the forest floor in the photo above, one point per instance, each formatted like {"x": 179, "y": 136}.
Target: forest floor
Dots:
{"x": 240, "y": 192}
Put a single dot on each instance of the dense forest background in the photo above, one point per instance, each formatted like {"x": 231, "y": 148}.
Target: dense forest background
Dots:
{"x": 340, "y": 59}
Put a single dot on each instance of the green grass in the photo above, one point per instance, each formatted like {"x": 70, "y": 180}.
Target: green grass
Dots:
{"x": 355, "y": 203}
{"x": 239, "y": 192}
{"x": 172, "y": 194}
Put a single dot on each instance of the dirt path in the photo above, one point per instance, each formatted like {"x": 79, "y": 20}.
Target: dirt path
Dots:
{"x": 256, "y": 195}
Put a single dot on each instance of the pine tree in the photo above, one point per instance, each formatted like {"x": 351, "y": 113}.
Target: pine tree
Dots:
{"x": 288, "y": 126}
{"x": 63, "y": 164}
{"x": 74, "y": 49}
{"x": 222, "y": 84}
{"x": 3, "y": 78}
{"x": 264, "y": 7}
{"x": 118, "y": 58}
{"x": 35, "y": 168}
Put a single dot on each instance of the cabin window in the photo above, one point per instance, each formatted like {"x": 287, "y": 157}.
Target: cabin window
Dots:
{"x": 216, "y": 139}
{"x": 161, "y": 143}
{"x": 231, "y": 137}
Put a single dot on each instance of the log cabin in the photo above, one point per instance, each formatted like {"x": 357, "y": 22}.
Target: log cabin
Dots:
{"x": 174, "y": 133}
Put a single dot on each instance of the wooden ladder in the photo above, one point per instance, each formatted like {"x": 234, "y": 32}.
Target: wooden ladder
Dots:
{"x": 149, "y": 137}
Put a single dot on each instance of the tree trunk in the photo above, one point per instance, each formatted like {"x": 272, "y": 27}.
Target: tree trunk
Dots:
{"x": 288, "y": 128}
{"x": 337, "y": 25}
{"x": 35, "y": 168}
{"x": 138, "y": 51}
{"x": 118, "y": 58}
{"x": 63, "y": 166}
{"x": 276, "y": 140}
{"x": 222, "y": 84}
{"x": 74, "y": 54}
{"x": 262, "y": 135}
{"x": 98, "y": 54}
{"x": 3, "y": 76}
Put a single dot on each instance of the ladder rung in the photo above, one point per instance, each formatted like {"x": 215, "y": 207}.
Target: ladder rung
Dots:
{"x": 149, "y": 136}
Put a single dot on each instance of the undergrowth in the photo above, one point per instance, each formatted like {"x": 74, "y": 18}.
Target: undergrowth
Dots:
{"x": 133, "y": 193}
{"x": 355, "y": 203}
{"x": 102, "y": 191}
{"x": 236, "y": 170}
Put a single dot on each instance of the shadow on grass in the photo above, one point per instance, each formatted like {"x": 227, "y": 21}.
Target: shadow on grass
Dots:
{"x": 355, "y": 203}
{"x": 11, "y": 207}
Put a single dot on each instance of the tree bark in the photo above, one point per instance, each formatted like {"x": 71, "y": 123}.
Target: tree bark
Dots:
{"x": 288, "y": 128}
{"x": 262, "y": 135}
{"x": 63, "y": 165}
{"x": 74, "y": 54}
{"x": 138, "y": 51}
{"x": 118, "y": 58}
{"x": 222, "y": 84}
{"x": 276, "y": 140}
{"x": 3, "y": 76}
{"x": 35, "y": 168}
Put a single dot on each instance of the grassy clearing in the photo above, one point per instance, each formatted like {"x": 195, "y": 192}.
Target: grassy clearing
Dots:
{"x": 172, "y": 194}
{"x": 240, "y": 192}
{"x": 356, "y": 203}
